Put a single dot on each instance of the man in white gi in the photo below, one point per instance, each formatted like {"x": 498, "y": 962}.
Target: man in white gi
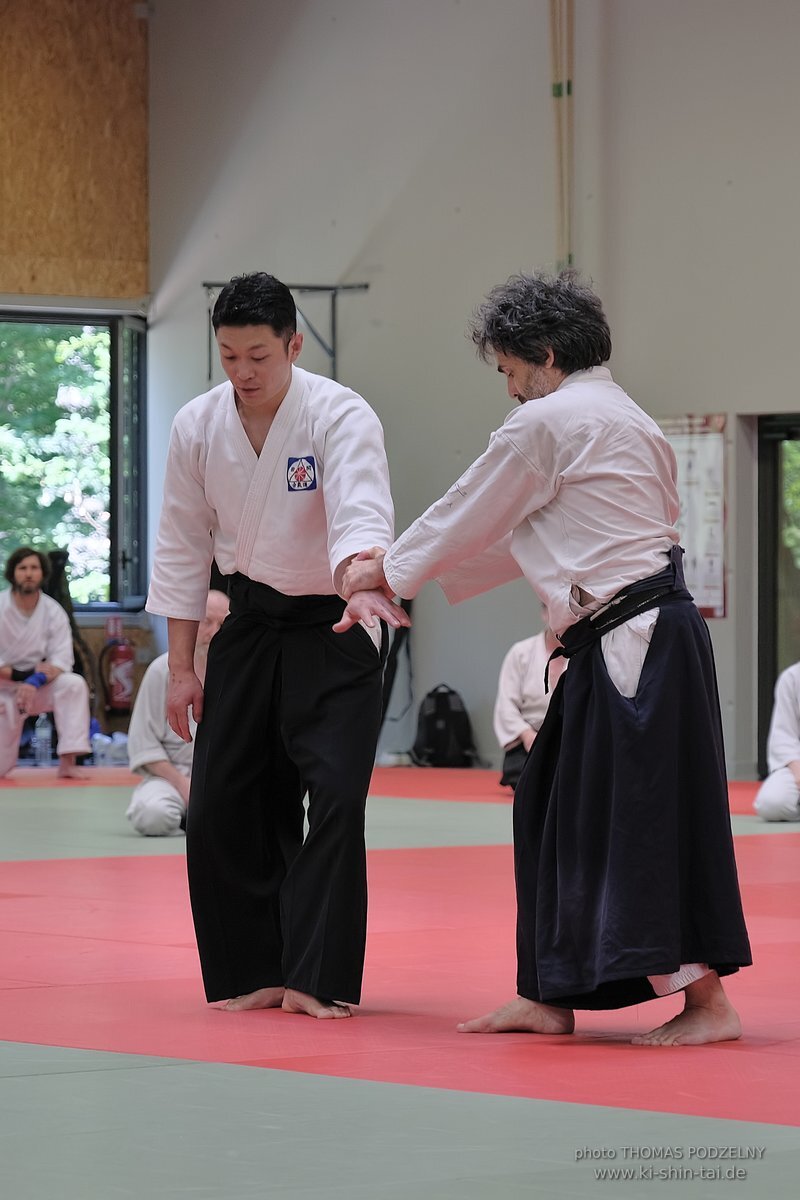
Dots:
{"x": 626, "y": 880}
{"x": 158, "y": 804}
{"x": 521, "y": 701}
{"x": 36, "y": 659}
{"x": 778, "y": 798}
{"x": 280, "y": 475}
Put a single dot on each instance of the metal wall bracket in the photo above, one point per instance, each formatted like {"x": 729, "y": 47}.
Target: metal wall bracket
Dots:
{"x": 328, "y": 344}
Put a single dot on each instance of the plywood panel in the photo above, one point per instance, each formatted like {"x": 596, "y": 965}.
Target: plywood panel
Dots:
{"x": 73, "y": 148}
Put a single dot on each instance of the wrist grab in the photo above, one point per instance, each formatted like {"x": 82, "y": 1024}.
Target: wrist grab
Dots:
{"x": 37, "y": 679}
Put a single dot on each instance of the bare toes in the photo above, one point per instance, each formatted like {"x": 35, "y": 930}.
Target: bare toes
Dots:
{"x": 310, "y": 1006}
{"x": 263, "y": 998}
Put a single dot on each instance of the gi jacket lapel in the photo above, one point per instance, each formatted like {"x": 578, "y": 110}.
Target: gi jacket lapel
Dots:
{"x": 266, "y": 467}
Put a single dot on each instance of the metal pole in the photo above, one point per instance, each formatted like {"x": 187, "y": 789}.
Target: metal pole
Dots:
{"x": 334, "y": 357}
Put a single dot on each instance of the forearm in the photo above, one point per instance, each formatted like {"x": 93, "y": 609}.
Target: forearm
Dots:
{"x": 338, "y": 575}
{"x": 20, "y": 675}
{"x": 471, "y": 525}
{"x": 182, "y": 638}
{"x": 511, "y": 728}
{"x": 164, "y": 769}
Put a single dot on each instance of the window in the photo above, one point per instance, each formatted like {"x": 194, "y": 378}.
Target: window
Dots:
{"x": 72, "y": 447}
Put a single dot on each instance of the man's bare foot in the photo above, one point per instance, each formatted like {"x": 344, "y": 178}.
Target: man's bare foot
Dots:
{"x": 522, "y": 1016}
{"x": 310, "y": 1006}
{"x": 67, "y": 768}
{"x": 264, "y": 998}
{"x": 708, "y": 1016}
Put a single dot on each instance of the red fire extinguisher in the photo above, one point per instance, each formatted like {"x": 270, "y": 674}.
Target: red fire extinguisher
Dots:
{"x": 116, "y": 668}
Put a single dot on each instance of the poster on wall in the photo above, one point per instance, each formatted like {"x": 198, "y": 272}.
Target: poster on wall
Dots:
{"x": 699, "y": 446}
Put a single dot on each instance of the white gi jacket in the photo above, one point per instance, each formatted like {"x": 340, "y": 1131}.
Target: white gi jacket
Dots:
{"x": 317, "y": 493}
{"x": 150, "y": 738}
{"x": 521, "y": 702}
{"x": 27, "y": 640}
{"x": 576, "y": 491}
{"x": 783, "y": 740}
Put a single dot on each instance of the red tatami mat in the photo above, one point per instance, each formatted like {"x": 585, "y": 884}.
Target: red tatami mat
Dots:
{"x": 741, "y": 796}
{"x": 414, "y": 782}
{"x": 421, "y": 783}
{"x": 432, "y": 783}
{"x": 47, "y": 777}
{"x": 99, "y": 954}
{"x": 440, "y": 783}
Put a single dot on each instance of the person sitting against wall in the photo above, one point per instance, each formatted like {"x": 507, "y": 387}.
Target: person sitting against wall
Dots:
{"x": 36, "y": 660}
{"x": 521, "y": 699}
{"x": 778, "y": 798}
{"x": 158, "y": 804}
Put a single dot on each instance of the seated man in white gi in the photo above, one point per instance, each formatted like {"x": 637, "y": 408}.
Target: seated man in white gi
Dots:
{"x": 521, "y": 699}
{"x": 778, "y": 798}
{"x": 36, "y": 658}
{"x": 158, "y": 804}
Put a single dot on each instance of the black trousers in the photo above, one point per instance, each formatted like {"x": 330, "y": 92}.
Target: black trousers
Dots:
{"x": 290, "y": 708}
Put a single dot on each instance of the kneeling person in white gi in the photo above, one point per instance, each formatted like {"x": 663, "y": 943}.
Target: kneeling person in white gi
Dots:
{"x": 778, "y": 798}
{"x": 287, "y": 473}
{"x": 521, "y": 701}
{"x": 158, "y": 804}
{"x": 36, "y": 659}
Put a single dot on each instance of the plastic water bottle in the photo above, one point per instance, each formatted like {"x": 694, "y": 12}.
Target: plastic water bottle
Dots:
{"x": 101, "y": 743}
{"x": 43, "y": 740}
{"x": 118, "y": 750}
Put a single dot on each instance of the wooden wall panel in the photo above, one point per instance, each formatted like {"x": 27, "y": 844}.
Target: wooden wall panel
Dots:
{"x": 73, "y": 148}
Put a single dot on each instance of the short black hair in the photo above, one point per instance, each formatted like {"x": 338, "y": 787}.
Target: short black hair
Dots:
{"x": 529, "y": 315}
{"x": 16, "y": 557}
{"x": 256, "y": 299}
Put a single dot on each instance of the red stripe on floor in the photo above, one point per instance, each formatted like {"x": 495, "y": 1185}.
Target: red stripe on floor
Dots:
{"x": 440, "y": 783}
{"x": 741, "y": 796}
{"x": 422, "y": 783}
{"x": 26, "y": 777}
{"x": 99, "y": 954}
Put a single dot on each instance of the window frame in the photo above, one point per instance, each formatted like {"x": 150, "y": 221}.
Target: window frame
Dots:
{"x": 773, "y": 430}
{"x": 128, "y": 522}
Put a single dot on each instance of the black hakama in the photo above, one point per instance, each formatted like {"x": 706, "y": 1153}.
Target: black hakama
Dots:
{"x": 290, "y": 707}
{"x": 623, "y": 848}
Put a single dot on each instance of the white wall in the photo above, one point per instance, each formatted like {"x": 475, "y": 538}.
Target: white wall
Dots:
{"x": 694, "y": 248}
{"x": 410, "y": 145}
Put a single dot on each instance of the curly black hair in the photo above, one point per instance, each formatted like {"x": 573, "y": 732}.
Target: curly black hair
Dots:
{"x": 529, "y": 315}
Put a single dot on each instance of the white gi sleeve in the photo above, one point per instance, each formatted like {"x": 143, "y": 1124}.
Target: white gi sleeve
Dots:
{"x": 59, "y": 649}
{"x": 509, "y": 723}
{"x": 489, "y": 569}
{"x": 148, "y": 722}
{"x": 479, "y": 512}
{"x": 783, "y": 739}
{"x": 358, "y": 501}
{"x": 184, "y": 548}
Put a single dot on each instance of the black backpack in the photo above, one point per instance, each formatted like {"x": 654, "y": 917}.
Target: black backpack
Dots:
{"x": 444, "y": 734}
